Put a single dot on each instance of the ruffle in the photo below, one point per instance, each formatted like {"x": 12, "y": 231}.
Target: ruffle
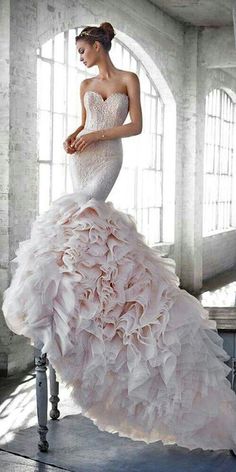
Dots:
{"x": 140, "y": 355}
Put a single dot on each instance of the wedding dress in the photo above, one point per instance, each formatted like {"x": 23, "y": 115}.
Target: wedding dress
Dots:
{"x": 139, "y": 354}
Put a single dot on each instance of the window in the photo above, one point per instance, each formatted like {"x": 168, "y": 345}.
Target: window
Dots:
{"x": 59, "y": 75}
{"x": 219, "y": 163}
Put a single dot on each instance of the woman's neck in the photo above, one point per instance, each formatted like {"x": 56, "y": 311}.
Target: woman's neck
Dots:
{"x": 106, "y": 68}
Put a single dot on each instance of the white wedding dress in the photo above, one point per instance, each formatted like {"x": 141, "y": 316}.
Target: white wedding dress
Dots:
{"x": 140, "y": 355}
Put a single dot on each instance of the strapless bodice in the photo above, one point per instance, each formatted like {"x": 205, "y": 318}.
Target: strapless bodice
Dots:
{"x": 107, "y": 113}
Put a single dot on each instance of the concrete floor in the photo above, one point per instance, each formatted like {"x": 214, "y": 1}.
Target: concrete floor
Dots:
{"x": 76, "y": 444}
{"x": 15, "y": 463}
{"x": 220, "y": 291}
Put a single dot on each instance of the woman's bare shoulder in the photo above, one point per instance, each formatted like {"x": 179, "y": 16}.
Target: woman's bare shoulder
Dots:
{"x": 85, "y": 84}
{"x": 128, "y": 73}
{"x": 129, "y": 78}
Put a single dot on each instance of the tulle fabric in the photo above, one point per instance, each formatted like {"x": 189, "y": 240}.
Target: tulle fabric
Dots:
{"x": 139, "y": 355}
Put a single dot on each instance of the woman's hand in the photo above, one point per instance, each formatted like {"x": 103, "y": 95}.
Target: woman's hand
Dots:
{"x": 82, "y": 142}
{"x": 69, "y": 143}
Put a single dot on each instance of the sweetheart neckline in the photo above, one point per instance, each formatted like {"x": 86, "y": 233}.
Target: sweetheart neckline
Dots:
{"x": 114, "y": 93}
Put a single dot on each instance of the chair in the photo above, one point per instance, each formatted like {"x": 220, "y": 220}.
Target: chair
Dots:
{"x": 41, "y": 363}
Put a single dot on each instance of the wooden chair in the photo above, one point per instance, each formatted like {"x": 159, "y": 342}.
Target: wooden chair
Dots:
{"x": 41, "y": 363}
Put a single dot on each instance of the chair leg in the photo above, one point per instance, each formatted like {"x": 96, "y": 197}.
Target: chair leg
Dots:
{"x": 42, "y": 400}
{"x": 54, "y": 390}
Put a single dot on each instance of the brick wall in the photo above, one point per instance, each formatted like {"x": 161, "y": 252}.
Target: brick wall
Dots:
{"x": 18, "y": 154}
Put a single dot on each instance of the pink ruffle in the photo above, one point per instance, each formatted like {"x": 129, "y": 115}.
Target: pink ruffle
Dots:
{"x": 141, "y": 355}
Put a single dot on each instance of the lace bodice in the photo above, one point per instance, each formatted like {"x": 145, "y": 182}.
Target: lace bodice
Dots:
{"x": 107, "y": 113}
{"x": 95, "y": 170}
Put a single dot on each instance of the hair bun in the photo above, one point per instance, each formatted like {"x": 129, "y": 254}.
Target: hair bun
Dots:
{"x": 108, "y": 28}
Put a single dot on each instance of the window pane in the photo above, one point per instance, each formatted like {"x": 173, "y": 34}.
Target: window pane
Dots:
{"x": 217, "y": 131}
{"x": 147, "y": 112}
{"x": 46, "y": 49}
{"x": 44, "y": 135}
{"x": 126, "y": 59}
{"x": 69, "y": 187}
{"x": 154, "y": 226}
{"x": 126, "y": 198}
{"x": 73, "y": 92}
{"x": 58, "y": 180}
{"x": 160, "y": 116}
{"x": 59, "y": 95}
{"x": 44, "y": 187}
{"x": 153, "y": 114}
{"x": 116, "y": 54}
{"x": 72, "y": 125}
{"x": 159, "y": 152}
{"x": 209, "y": 158}
{"x": 43, "y": 85}
{"x": 146, "y": 86}
{"x": 72, "y": 50}
{"x": 144, "y": 222}
{"x": 133, "y": 65}
{"x": 59, "y": 47}
{"x": 151, "y": 188}
{"x": 58, "y": 134}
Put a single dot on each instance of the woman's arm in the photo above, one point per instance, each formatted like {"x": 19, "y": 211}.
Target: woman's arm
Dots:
{"x": 130, "y": 129}
{"x": 69, "y": 142}
{"x": 83, "y": 86}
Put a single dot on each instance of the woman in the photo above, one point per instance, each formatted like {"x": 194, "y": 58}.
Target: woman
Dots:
{"x": 110, "y": 80}
{"x": 141, "y": 355}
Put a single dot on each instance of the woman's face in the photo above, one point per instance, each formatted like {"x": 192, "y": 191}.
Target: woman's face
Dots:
{"x": 88, "y": 53}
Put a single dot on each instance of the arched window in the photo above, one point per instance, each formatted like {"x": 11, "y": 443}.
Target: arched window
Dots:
{"x": 59, "y": 75}
{"x": 219, "y": 163}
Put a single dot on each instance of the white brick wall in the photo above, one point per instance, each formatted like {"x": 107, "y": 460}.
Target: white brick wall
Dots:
{"x": 18, "y": 152}
{"x": 4, "y": 170}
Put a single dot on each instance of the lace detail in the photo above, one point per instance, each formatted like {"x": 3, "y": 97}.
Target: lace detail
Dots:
{"x": 107, "y": 113}
{"x": 96, "y": 169}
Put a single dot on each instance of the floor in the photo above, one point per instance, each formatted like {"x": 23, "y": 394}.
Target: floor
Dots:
{"x": 75, "y": 442}
{"x": 220, "y": 291}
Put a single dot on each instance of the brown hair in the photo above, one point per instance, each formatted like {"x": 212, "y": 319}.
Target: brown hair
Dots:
{"x": 103, "y": 33}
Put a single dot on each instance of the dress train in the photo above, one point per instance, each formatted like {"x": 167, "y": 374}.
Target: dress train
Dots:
{"x": 140, "y": 354}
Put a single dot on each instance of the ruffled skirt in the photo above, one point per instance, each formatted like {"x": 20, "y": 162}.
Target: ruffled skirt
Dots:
{"x": 140, "y": 355}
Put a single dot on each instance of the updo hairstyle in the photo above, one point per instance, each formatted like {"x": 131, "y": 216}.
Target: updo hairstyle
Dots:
{"x": 103, "y": 33}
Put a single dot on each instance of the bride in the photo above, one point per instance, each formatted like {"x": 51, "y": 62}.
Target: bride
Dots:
{"x": 140, "y": 354}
